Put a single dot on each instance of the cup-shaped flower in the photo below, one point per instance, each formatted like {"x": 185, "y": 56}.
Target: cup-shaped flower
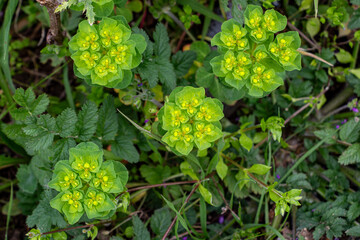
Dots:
{"x": 97, "y": 204}
{"x": 104, "y": 54}
{"x": 231, "y": 37}
{"x": 262, "y": 26}
{"x": 64, "y": 177}
{"x": 263, "y": 80}
{"x": 86, "y": 159}
{"x": 187, "y": 106}
{"x": 106, "y": 179}
{"x": 284, "y": 50}
{"x": 205, "y": 133}
{"x": 70, "y": 204}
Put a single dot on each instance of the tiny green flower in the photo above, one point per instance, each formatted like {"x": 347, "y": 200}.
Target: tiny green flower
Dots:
{"x": 106, "y": 179}
{"x": 97, "y": 204}
{"x": 70, "y": 204}
{"x": 105, "y": 54}
{"x": 86, "y": 159}
{"x": 64, "y": 177}
{"x": 191, "y": 119}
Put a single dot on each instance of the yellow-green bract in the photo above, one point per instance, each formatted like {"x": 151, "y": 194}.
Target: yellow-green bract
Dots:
{"x": 250, "y": 57}
{"x": 104, "y": 54}
{"x": 191, "y": 119}
{"x": 87, "y": 184}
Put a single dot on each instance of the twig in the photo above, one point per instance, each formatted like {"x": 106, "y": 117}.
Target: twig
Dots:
{"x": 54, "y": 35}
{"x": 174, "y": 220}
{"x": 303, "y": 52}
{"x": 76, "y": 227}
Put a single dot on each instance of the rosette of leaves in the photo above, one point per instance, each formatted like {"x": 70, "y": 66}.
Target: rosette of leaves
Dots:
{"x": 87, "y": 184}
{"x": 190, "y": 119}
{"x": 250, "y": 57}
{"x": 337, "y": 13}
{"x": 105, "y": 54}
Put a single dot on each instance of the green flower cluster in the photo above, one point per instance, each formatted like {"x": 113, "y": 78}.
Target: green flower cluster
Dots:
{"x": 106, "y": 53}
{"x": 87, "y": 184}
{"x": 190, "y": 118}
{"x": 250, "y": 56}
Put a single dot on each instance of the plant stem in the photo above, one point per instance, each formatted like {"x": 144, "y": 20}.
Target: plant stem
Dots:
{"x": 355, "y": 55}
{"x": 68, "y": 87}
{"x": 179, "y": 23}
{"x": 54, "y": 35}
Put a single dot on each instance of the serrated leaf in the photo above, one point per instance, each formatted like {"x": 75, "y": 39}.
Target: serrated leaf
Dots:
{"x": 353, "y": 212}
{"x": 40, "y": 104}
{"x": 140, "y": 231}
{"x": 350, "y": 155}
{"x": 107, "y": 126}
{"x": 166, "y": 72}
{"x": 328, "y": 134}
{"x": 148, "y": 71}
{"x": 161, "y": 45}
{"x": 27, "y": 180}
{"x": 349, "y": 132}
{"x": 354, "y": 231}
{"x": 24, "y": 98}
{"x": 65, "y": 122}
{"x": 40, "y": 166}
{"x": 61, "y": 149}
{"x": 160, "y": 221}
{"x": 124, "y": 148}
{"x": 87, "y": 119}
{"x": 44, "y": 217}
{"x": 182, "y": 62}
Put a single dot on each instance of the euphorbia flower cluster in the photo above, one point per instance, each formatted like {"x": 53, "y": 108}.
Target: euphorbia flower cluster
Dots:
{"x": 107, "y": 52}
{"x": 191, "y": 119}
{"x": 87, "y": 184}
{"x": 249, "y": 56}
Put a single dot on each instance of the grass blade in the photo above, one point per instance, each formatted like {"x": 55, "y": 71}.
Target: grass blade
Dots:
{"x": 9, "y": 212}
{"x": 4, "y": 40}
{"x": 68, "y": 87}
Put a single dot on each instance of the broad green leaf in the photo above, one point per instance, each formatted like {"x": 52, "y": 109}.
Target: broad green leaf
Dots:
{"x": 161, "y": 38}
{"x": 329, "y": 134}
{"x": 155, "y": 175}
{"x": 246, "y": 142}
{"x": 313, "y": 26}
{"x": 87, "y": 119}
{"x": 350, "y": 155}
{"x": 182, "y": 62}
{"x": 201, "y": 48}
{"x": 354, "y": 231}
{"x": 65, "y": 122}
{"x": 160, "y": 221}
{"x": 221, "y": 168}
{"x": 350, "y": 131}
{"x": 206, "y": 194}
{"x": 344, "y": 56}
{"x": 124, "y": 148}
{"x": 27, "y": 180}
{"x": 107, "y": 126}
{"x": 259, "y": 169}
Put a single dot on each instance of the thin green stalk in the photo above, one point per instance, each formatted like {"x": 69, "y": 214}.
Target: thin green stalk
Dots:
{"x": 68, "y": 87}
{"x": 207, "y": 21}
{"x": 263, "y": 192}
{"x": 301, "y": 159}
{"x": 5, "y": 87}
{"x": 9, "y": 212}
{"x": 355, "y": 54}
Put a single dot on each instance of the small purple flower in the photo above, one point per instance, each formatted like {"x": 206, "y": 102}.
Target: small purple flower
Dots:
{"x": 221, "y": 219}
{"x": 337, "y": 126}
{"x": 355, "y": 110}
{"x": 344, "y": 121}
{"x": 184, "y": 238}
{"x": 313, "y": 210}
{"x": 336, "y": 238}
{"x": 140, "y": 85}
{"x": 146, "y": 121}
{"x": 277, "y": 176}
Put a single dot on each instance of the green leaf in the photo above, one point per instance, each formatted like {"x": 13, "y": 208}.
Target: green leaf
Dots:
{"x": 259, "y": 169}
{"x": 61, "y": 149}
{"x": 350, "y": 155}
{"x": 161, "y": 38}
{"x": 103, "y": 10}
{"x": 148, "y": 71}
{"x": 140, "y": 231}
{"x": 155, "y": 175}
{"x": 355, "y": 20}
{"x": 204, "y": 78}
{"x": 27, "y": 180}
{"x": 107, "y": 126}
{"x": 354, "y": 211}
{"x": 160, "y": 221}
{"x": 349, "y": 132}
{"x": 65, "y": 122}
{"x": 206, "y": 194}
{"x": 354, "y": 231}
{"x": 328, "y": 134}
{"x": 180, "y": 218}
{"x": 313, "y": 26}
{"x": 246, "y": 142}
{"x": 198, "y": 7}
{"x": 221, "y": 168}
{"x": 87, "y": 119}
{"x": 124, "y": 148}
{"x": 182, "y": 62}
{"x": 201, "y": 48}
{"x": 166, "y": 72}
{"x": 344, "y": 56}
{"x": 44, "y": 216}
